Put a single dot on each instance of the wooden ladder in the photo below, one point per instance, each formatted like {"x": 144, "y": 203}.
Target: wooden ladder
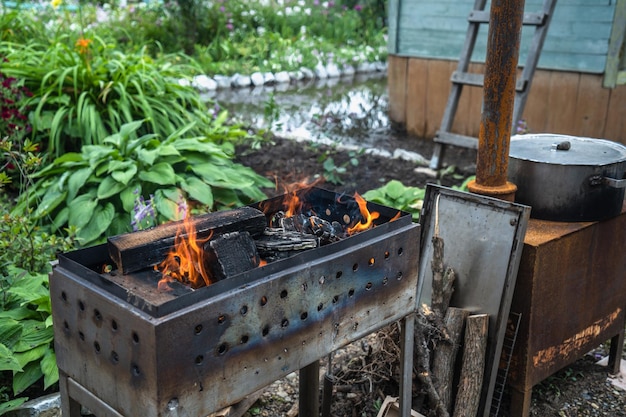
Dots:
{"x": 462, "y": 77}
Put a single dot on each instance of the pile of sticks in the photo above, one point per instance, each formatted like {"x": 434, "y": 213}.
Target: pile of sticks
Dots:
{"x": 442, "y": 333}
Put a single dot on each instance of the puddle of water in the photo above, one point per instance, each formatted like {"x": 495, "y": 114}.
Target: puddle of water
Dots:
{"x": 347, "y": 112}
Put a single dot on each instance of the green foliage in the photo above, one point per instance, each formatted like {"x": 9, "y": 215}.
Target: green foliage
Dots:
{"x": 333, "y": 172}
{"x": 26, "y": 348}
{"x": 397, "y": 195}
{"x": 96, "y": 191}
{"x": 83, "y": 91}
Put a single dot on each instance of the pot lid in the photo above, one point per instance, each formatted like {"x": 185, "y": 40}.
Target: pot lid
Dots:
{"x": 566, "y": 150}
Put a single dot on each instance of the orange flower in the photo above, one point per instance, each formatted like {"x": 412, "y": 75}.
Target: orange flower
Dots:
{"x": 83, "y": 45}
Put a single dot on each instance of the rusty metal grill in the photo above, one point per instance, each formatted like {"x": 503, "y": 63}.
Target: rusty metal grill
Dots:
{"x": 120, "y": 353}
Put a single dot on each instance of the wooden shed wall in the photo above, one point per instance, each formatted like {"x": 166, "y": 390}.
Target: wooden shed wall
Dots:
{"x": 570, "y": 103}
{"x": 566, "y": 94}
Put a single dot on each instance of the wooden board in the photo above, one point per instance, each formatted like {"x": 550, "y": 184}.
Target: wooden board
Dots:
{"x": 416, "y": 104}
{"x": 615, "y": 121}
{"x": 591, "y": 106}
{"x": 397, "y": 81}
{"x": 562, "y": 102}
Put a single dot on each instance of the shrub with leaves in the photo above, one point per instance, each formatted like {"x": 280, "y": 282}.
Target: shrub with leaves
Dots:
{"x": 97, "y": 190}
{"x": 26, "y": 348}
{"x": 397, "y": 195}
{"x": 85, "y": 89}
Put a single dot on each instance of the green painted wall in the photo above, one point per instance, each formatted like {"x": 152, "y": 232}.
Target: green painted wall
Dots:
{"x": 578, "y": 38}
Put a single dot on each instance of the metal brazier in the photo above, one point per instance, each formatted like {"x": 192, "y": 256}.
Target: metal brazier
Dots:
{"x": 568, "y": 178}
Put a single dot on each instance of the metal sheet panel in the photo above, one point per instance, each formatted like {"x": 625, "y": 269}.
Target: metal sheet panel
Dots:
{"x": 483, "y": 240}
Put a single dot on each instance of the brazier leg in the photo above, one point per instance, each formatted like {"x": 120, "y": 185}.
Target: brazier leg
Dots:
{"x": 69, "y": 406}
{"x": 520, "y": 402}
{"x": 407, "y": 328}
{"x": 615, "y": 354}
{"x": 309, "y": 402}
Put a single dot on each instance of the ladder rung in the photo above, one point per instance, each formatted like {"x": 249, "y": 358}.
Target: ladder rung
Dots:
{"x": 456, "y": 140}
{"x": 530, "y": 19}
{"x": 477, "y": 80}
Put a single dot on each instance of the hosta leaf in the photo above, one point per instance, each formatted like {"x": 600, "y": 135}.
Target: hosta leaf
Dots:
{"x": 77, "y": 180}
{"x": 10, "y": 332}
{"x": 125, "y": 175}
{"x": 22, "y": 380}
{"x": 395, "y": 189}
{"x": 198, "y": 190}
{"x": 147, "y": 156}
{"x": 98, "y": 224}
{"x": 161, "y": 173}
{"x": 49, "y": 369}
{"x": 61, "y": 219}
{"x": 34, "y": 334}
{"x": 128, "y": 196}
{"x": 166, "y": 207}
{"x": 168, "y": 150}
{"x": 50, "y": 201}
{"x": 8, "y": 362}
{"x": 81, "y": 210}
{"x": 109, "y": 187}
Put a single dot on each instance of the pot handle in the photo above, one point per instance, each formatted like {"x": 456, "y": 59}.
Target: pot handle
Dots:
{"x": 611, "y": 182}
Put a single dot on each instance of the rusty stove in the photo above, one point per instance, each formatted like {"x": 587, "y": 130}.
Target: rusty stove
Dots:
{"x": 125, "y": 349}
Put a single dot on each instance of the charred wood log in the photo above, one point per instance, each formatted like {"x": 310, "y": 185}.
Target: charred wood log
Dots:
{"x": 230, "y": 254}
{"x": 277, "y": 244}
{"x": 132, "y": 252}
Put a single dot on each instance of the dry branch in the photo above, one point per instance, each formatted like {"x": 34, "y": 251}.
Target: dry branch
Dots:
{"x": 473, "y": 368}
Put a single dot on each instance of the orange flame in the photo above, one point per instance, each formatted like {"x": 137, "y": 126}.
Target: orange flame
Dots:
{"x": 186, "y": 262}
{"x": 368, "y": 218}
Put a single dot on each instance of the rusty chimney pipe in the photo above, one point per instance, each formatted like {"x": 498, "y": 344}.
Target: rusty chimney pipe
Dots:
{"x": 498, "y": 100}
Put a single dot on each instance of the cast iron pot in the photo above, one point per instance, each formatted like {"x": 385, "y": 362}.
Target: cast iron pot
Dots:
{"x": 568, "y": 178}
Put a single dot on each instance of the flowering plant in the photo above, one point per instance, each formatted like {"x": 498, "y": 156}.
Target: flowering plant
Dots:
{"x": 18, "y": 153}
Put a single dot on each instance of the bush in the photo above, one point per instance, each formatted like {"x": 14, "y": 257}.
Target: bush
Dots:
{"x": 105, "y": 189}
{"x": 85, "y": 92}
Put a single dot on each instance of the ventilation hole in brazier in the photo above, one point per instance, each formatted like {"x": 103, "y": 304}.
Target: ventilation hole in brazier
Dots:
{"x": 222, "y": 349}
{"x": 368, "y": 286}
{"x": 338, "y": 274}
{"x": 284, "y": 323}
{"x": 335, "y": 299}
{"x": 96, "y": 346}
{"x": 283, "y": 294}
{"x": 399, "y": 275}
{"x": 304, "y": 315}
{"x": 114, "y": 325}
{"x": 135, "y": 370}
{"x": 263, "y": 300}
{"x": 244, "y": 339}
{"x": 81, "y": 336}
{"x": 386, "y": 254}
{"x": 197, "y": 329}
{"x": 97, "y": 315}
{"x": 304, "y": 286}
{"x": 355, "y": 267}
{"x": 244, "y": 310}
{"x": 320, "y": 306}
{"x": 322, "y": 280}
{"x": 221, "y": 319}
{"x": 385, "y": 281}
{"x": 400, "y": 251}
{"x": 66, "y": 326}
{"x": 351, "y": 292}
{"x": 265, "y": 331}
{"x": 115, "y": 358}
{"x": 64, "y": 296}
{"x": 355, "y": 326}
{"x": 81, "y": 306}
{"x": 135, "y": 338}
{"x": 371, "y": 261}
{"x": 199, "y": 360}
